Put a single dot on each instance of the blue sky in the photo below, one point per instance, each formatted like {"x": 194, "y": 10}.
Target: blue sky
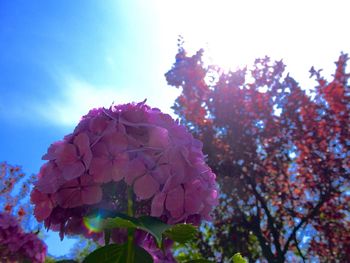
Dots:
{"x": 60, "y": 58}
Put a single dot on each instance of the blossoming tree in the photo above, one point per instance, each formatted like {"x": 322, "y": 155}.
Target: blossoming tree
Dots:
{"x": 17, "y": 243}
{"x": 281, "y": 157}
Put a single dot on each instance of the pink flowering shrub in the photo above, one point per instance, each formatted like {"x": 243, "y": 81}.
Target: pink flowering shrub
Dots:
{"x": 133, "y": 145}
{"x": 15, "y": 245}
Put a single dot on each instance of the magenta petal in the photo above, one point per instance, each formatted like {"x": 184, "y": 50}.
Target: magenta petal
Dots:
{"x": 146, "y": 186}
{"x": 98, "y": 124}
{"x": 100, "y": 150}
{"x": 158, "y": 137}
{"x": 157, "y": 207}
{"x": 172, "y": 182}
{"x": 69, "y": 197}
{"x": 66, "y": 154}
{"x": 43, "y": 205}
{"x": 91, "y": 195}
{"x": 72, "y": 171}
{"x": 161, "y": 173}
{"x": 175, "y": 201}
{"x": 135, "y": 169}
{"x": 116, "y": 142}
{"x": 116, "y": 171}
{"x": 212, "y": 198}
{"x": 51, "y": 152}
{"x": 97, "y": 169}
{"x": 50, "y": 178}
{"x": 193, "y": 203}
{"x": 83, "y": 143}
{"x": 87, "y": 157}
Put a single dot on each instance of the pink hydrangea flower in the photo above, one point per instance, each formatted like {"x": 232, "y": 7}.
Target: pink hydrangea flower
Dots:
{"x": 109, "y": 157}
{"x": 132, "y": 145}
{"x": 16, "y": 245}
{"x": 72, "y": 158}
{"x": 78, "y": 192}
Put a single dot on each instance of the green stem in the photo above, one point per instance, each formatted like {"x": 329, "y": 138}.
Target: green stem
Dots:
{"x": 130, "y": 202}
{"x": 130, "y": 256}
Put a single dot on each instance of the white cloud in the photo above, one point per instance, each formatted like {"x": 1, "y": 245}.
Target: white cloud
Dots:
{"x": 78, "y": 96}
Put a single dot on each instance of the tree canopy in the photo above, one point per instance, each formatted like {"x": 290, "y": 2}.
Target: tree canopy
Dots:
{"x": 281, "y": 154}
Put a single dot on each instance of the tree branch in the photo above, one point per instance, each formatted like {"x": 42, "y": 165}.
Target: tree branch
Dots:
{"x": 302, "y": 221}
{"x": 299, "y": 251}
{"x": 270, "y": 219}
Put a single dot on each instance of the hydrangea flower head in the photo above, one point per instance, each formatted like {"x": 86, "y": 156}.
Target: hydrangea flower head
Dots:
{"x": 16, "y": 245}
{"x": 131, "y": 145}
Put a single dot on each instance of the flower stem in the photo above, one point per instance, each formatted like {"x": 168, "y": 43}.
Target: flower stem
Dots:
{"x": 131, "y": 252}
{"x": 130, "y": 202}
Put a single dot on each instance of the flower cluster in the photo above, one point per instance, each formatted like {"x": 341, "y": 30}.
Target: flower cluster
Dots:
{"x": 15, "y": 245}
{"x": 130, "y": 145}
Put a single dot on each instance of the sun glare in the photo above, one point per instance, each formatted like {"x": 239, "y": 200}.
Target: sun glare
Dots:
{"x": 234, "y": 33}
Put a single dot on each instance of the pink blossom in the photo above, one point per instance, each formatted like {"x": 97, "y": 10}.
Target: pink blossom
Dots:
{"x": 109, "y": 158}
{"x": 44, "y": 204}
{"x": 146, "y": 186}
{"x": 73, "y": 159}
{"x": 126, "y": 146}
{"x": 158, "y": 204}
{"x": 16, "y": 245}
{"x": 175, "y": 201}
{"x": 50, "y": 178}
{"x": 78, "y": 192}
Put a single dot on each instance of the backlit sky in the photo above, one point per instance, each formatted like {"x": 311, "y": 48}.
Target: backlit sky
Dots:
{"x": 58, "y": 59}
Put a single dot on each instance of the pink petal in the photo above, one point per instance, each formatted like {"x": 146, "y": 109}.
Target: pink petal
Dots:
{"x": 212, "y": 198}
{"x": 146, "y": 186}
{"x": 91, "y": 195}
{"x": 117, "y": 170}
{"x": 172, "y": 182}
{"x": 100, "y": 149}
{"x": 97, "y": 169}
{"x": 69, "y": 197}
{"x": 66, "y": 154}
{"x": 158, "y": 137}
{"x": 157, "y": 207}
{"x": 98, "y": 124}
{"x": 43, "y": 210}
{"x": 71, "y": 171}
{"x": 43, "y": 205}
{"x": 50, "y": 179}
{"x": 135, "y": 169}
{"x": 175, "y": 201}
{"x": 83, "y": 143}
{"x": 193, "y": 203}
{"x": 51, "y": 152}
{"x": 116, "y": 142}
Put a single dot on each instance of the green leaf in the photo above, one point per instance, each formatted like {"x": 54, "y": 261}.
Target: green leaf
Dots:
{"x": 153, "y": 226}
{"x": 118, "y": 222}
{"x": 237, "y": 258}
{"x": 107, "y": 254}
{"x": 181, "y": 233}
{"x": 201, "y": 260}
{"x": 142, "y": 255}
{"x": 150, "y": 224}
{"x": 114, "y": 253}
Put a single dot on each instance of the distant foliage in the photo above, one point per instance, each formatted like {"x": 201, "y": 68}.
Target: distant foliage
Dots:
{"x": 14, "y": 194}
{"x": 281, "y": 154}
{"x": 18, "y": 246}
